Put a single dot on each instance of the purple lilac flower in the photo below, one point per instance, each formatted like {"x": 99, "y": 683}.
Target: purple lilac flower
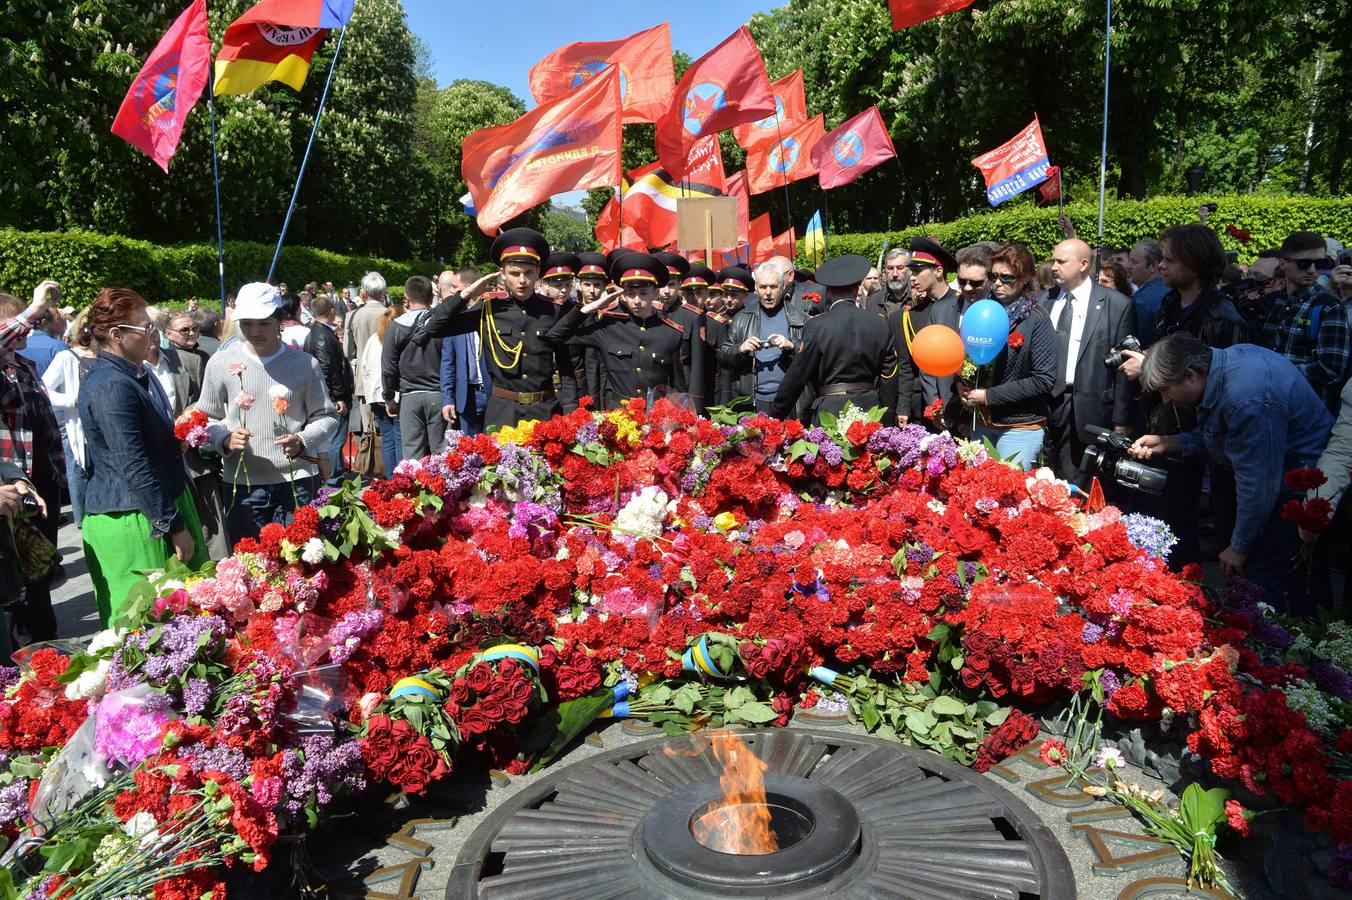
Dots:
{"x": 1340, "y": 868}
{"x": 1149, "y": 534}
{"x": 1111, "y": 683}
{"x": 353, "y": 628}
{"x": 9, "y": 676}
{"x": 175, "y": 651}
{"x": 1092, "y": 633}
{"x": 196, "y": 696}
{"x": 1332, "y": 679}
{"x": 326, "y": 766}
{"x": 221, "y": 758}
{"x": 44, "y": 889}
{"x": 14, "y": 800}
{"x": 904, "y": 442}
{"x": 831, "y": 452}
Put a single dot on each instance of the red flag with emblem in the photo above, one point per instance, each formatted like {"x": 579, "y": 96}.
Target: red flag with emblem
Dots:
{"x": 1051, "y": 188}
{"x": 737, "y": 187}
{"x": 646, "y": 76}
{"x": 762, "y": 238}
{"x": 651, "y": 193}
{"x": 568, "y": 144}
{"x": 906, "y": 13}
{"x": 725, "y": 87}
{"x": 167, "y": 87}
{"x": 770, "y": 165}
{"x": 790, "y": 109}
{"x": 856, "y": 146}
{"x": 785, "y": 244}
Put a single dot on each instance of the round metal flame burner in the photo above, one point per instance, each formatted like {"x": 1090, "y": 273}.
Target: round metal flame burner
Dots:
{"x": 853, "y": 817}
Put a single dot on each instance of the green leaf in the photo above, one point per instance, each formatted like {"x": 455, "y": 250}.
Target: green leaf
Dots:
{"x": 998, "y": 717}
{"x": 939, "y": 632}
{"x": 918, "y": 722}
{"x": 868, "y": 714}
{"x": 557, "y": 727}
{"x": 756, "y": 713}
{"x": 947, "y": 706}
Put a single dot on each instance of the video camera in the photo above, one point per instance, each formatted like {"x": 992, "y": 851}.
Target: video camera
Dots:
{"x": 1107, "y": 456}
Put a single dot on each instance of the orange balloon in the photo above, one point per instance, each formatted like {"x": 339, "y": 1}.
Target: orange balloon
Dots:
{"x": 938, "y": 350}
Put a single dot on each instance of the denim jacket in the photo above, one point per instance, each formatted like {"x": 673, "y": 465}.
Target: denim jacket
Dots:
{"x": 134, "y": 461}
{"x": 1259, "y": 417}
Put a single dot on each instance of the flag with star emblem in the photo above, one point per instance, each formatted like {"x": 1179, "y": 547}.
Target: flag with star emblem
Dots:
{"x": 856, "y": 146}
{"x": 790, "y": 110}
{"x": 725, "y": 87}
{"x": 646, "y": 75}
{"x": 788, "y": 159}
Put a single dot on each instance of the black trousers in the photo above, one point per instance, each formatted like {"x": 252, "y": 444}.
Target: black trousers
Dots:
{"x": 1066, "y": 447}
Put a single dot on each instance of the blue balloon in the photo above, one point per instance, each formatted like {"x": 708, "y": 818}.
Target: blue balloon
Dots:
{"x": 985, "y": 331}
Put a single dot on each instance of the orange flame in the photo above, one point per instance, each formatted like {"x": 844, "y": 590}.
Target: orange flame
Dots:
{"x": 740, "y": 822}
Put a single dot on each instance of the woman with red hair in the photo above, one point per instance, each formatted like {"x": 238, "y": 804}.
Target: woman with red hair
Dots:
{"x": 138, "y": 509}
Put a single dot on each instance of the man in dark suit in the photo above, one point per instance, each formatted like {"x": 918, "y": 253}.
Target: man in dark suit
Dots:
{"x": 465, "y": 382}
{"x": 1090, "y": 321}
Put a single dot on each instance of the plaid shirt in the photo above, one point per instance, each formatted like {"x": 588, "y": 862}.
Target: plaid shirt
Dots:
{"x": 25, "y": 410}
{"x": 1325, "y": 358}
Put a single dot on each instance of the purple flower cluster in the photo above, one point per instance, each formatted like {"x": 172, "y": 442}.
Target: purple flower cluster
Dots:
{"x": 920, "y": 554}
{"x": 1092, "y": 633}
{"x": 196, "y": 696}
{"x": 127, "y": 728}
{"x": 319, "y": 768}
{"x": 167, "y": 655}
{"x": 1331, "y": 679}
{"x": 1149, "y": 534}
{"x": 221, "y": 758}
{"x": 14, "y": 800}
{"x": 1111, "y": 682}
{"x": 9, "y": 676}
{"x": 532, "y": 521}
{"x": 903, "y": 442}
{"x": 353, "y": 628}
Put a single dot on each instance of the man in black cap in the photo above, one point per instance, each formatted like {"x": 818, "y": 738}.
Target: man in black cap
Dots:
{"x": 845, "y": 357}
{"x": 708, "y": 380}
{"x": 591, "y": 284}
{"x": 521, "y": 364}
{"x": 672, "y": 304}
{"x": 933, "y": 303}
{"x": 557, "y": 284}
{"x": 761, "y": 341}
{"x": 642, "y": 350}
{"x": 736, "y": 285}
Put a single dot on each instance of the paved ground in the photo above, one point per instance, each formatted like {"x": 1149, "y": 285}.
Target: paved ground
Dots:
{"x": 76, "y": 615}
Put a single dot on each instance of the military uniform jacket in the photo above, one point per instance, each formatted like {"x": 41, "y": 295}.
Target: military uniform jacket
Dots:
{"x": 842, "y": 346}
{"x": 639, "y": 354}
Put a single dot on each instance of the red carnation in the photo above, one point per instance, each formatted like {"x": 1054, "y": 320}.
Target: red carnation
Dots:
{"x": 1237, "y": 817}
{"x": 1015, "y": 340}
{"x": 1305, "y": 479}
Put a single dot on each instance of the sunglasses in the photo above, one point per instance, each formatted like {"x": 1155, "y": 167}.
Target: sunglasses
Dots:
{"x": 191, "y": 329}
{"x": 1004, "y": 278}
{"x": 141, "y": 329}
{"x": 972, "y": 282}
{"x": 1302, "y": 264}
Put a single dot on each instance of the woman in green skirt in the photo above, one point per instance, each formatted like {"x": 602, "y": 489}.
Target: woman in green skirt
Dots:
{"x": 138, "y": 509}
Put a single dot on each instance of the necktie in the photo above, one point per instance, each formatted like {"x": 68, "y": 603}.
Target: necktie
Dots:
{"x": 1063, "y": 325}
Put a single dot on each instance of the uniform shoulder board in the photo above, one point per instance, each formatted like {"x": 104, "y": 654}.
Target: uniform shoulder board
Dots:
{"x": 719, "y": 318}
{"x": 691, "y": 307}
{"x": 679, "y": 327}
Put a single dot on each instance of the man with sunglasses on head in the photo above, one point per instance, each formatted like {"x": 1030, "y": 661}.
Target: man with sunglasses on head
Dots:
{"x": 1304, "y": 322}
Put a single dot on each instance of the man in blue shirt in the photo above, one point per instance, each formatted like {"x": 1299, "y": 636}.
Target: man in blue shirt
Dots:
{"x": 1257, "y": 415}
{"x": 44, "y": 341}
{"x": 1143, "y": 264}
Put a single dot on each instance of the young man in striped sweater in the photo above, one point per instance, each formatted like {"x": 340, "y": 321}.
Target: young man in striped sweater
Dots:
{"x": 270, "y": 417}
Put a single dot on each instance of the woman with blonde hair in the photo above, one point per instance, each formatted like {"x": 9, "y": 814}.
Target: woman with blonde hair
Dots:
{"x": 372, "y": 388}
{"x": 62, "y": 380}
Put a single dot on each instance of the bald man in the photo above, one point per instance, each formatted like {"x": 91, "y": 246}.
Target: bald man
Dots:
{"x": 1090, "y": 320}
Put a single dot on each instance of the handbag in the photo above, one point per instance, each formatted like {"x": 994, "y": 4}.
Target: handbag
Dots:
{"x": 369, "y": 462}
{"x": 37, "y": 555}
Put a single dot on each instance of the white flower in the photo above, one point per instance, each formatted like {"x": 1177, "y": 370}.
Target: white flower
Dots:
{"x": 107, "y": 639}
{"x": 313, "y": 552}
{"x": 140, "y": 825}
{"x": 394, "y": 535}
{"x": 279, "y": 390}
{"x": 1109, "y": 758}
{"x": 90, "y": 683}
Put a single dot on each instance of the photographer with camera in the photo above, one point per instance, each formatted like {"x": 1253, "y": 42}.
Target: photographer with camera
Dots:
{"x": 1257, "y": 416}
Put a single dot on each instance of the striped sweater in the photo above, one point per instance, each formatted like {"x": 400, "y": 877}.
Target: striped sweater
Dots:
{"x": 292, "y": 380}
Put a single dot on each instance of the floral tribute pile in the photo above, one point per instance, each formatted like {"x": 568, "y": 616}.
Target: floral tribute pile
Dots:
{"x": 481, "y": 608}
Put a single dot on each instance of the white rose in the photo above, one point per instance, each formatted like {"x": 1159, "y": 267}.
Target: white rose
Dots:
{"x": 90, "y": 683}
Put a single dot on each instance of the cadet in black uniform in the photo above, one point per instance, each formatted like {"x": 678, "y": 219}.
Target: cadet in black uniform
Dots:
{"x": 642, "y": 350}
{"x": 591, "y": 283}
{"x": 846, "y": 357}
{"x": 736, "y": 284}
{"x": 521, "y": 363}
{"x": 688, "y": 316}
{"x": 557, "y": 284}
{"x": 708, "y": 385}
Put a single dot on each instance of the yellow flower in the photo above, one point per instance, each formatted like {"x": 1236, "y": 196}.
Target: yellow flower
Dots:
{"x": 516, "y": 434}
{"x": 725, "y": 522}
{"x": 626, "y": 429}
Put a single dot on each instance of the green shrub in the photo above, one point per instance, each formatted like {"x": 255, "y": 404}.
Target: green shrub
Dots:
{"x": 84, "y": 262}
{"x": 1267, "y": 219}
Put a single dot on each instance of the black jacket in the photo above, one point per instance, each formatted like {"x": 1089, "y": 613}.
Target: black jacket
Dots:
{"x": 1102, "y": 396}
{"x": 1211, "y": 318}
{"x": 741, "y": 366}
{"x": 842, "y": 346}
{"x": 1023, "y": 376}
{"x": 915, "y": 389}
{"x": 325, "y": 347}
{"x": 408, "y": 366}
{"x": 639, "y": 354}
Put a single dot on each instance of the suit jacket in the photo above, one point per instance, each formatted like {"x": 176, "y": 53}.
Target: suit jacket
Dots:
{"x": 1102, "y": 396}
{"x": 185, "y": 370}
{"x": 457, "y": 361}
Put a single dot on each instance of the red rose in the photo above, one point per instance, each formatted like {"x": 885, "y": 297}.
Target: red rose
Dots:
{"x": 460, "y": 693}
{"x": 493, "y": 710}
{"x": 1015, "y": 340}
{"x": 418, "y": 766}
{"x": 379, "y": 747}
{"x": 479, "y": 678}
{"x": 521, "y": 689}
{"x": 514, "y": 712}
{"x": 472, "y": 722}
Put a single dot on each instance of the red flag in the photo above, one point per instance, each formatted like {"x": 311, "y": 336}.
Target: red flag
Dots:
{"x": 723, "y": 88}
{"x": 1016, "y": 165}
{"x": 566, "y": 144}
{"x": 906, "y": 13}
{"x": 167, "y": 87}
{"x": 646, "y": 75}
{"x": 608, "y": 228}
{"x": 785, "y": 244}
{"x": 856, "y": 146}
{"x": 1051, "y": 188}
{"x": 761, "y": 238}
{"x": 651, "y": 193}
{"x": 789, "y": 159}
{"x": 737, "y": 187}
{"x": 790, "y": 109}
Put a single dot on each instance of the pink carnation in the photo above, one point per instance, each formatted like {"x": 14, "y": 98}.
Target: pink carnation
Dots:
{"x": 236, "y": 368}
{"x": 196, "y": 437}
{"x": 244, "y": 400}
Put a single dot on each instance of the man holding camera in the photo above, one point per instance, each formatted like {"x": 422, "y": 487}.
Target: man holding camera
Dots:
{"x": 1257, "y": 416}
{"x": 1090, "y": 320}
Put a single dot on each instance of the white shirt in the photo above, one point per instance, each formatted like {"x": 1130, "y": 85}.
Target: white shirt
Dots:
{"x": 166, "y": 380}
{"x": 1079, "y": 311}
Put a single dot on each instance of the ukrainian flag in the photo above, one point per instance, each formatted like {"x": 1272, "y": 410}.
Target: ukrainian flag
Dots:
{"x": 814, "y": 241}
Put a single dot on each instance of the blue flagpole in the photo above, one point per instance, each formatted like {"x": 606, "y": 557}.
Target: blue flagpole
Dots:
{"x": 323, "y": 98}
{"x": 1103, "y": 155}
{"x": 216, "y": 178}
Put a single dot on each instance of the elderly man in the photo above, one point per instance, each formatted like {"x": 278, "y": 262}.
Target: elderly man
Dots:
{"x": 1258, "y": 416}
{"x": 895, "y": 290}
{"x": 1090, "y": 320}
{"x": 760, "y": 343}
{"x": 806, "y": 294}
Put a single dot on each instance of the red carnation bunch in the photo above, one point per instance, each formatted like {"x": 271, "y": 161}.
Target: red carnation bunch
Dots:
{"x": 190, "y": 420}
{"x": 1305, "y": 479}
{"x": 1310, "y": 516}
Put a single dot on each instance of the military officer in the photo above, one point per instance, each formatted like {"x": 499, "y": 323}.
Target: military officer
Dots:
{"x": 735, "y": 283}
{"x": 845, "y": 357}
{"x": 558, "y": 281}
{"x": 523, "y": 366}
{"x": 642, "y": 350}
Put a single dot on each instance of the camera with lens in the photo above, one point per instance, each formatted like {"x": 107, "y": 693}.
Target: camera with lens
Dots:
{"x": 1107, "y": 457}
{"x": 1115, "y": 359}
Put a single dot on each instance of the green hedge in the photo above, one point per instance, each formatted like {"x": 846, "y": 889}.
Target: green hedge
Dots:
{"x": 1267, "y": 219}
{"x": 84, "y": 262}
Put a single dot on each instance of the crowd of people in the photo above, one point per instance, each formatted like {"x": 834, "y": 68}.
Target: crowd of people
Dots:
{"x": 1186, "y": 385}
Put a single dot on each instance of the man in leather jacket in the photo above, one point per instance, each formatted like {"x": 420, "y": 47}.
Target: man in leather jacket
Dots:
{"x": 762, "y": 338}
{"x": 322, "y": 343}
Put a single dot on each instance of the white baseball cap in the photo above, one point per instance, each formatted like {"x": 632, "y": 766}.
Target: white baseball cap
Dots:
{"x": 257, "y": 300}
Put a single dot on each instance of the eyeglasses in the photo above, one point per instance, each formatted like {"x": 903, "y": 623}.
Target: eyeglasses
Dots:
{"x": 1302, "y": 264}
{"x": 972, "y": 282}
{"x": 142, "y": 329}
{"x": 191, "y": 329}
{"x": 1004, "y": 277}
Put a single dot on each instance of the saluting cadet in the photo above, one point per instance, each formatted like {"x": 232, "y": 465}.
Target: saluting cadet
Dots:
{"x": 845, "y": 356}
{"x": 558, "y": 283}
{"x": 591, "y": 283}
{"x": 522, "y": 364}
{"x": 642, "y": 350}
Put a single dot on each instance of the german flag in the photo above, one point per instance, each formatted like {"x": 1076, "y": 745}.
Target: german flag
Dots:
{"x": 274, "y": 41}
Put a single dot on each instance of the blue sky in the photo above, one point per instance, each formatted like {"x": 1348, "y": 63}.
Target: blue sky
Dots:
{"x": 499, "y": 42}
